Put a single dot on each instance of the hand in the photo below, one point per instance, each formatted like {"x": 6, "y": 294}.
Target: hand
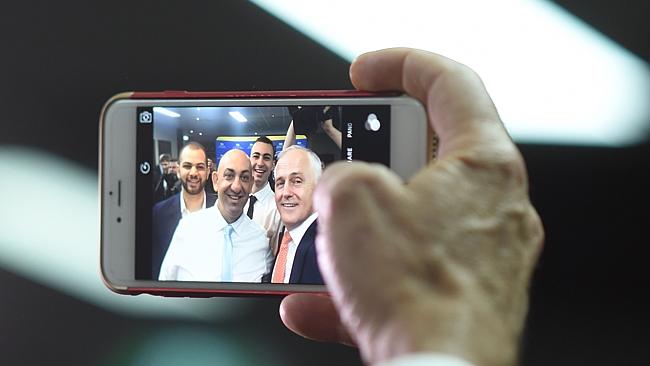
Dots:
{"x": 331, "y": 131}
{"x": 290, "y": 138}
{"x": 442, "y": 263}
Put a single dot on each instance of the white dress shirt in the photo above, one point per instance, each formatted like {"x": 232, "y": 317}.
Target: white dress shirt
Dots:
{"x": 296, "y": 236}
{"x": 266, "y": 215}
{"x": 196, "y": 249}
{"x": 184, "y": 210}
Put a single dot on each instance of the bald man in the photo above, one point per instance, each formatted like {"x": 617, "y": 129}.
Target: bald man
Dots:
{"x": 238, "y": 250}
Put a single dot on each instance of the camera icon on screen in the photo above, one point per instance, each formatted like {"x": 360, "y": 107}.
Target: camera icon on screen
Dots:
{"x": 145, "y": 117}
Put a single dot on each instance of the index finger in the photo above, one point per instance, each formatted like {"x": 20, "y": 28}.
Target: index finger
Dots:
{"x": 460, "y": 110}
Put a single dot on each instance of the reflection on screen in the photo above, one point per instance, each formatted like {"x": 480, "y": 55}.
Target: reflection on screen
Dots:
{"x": 229, "y": 197}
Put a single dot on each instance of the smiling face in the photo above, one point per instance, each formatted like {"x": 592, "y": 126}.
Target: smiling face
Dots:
{"x": 262, "y": 162}
{"x": 233, "y": 182}
{"x": 193, "y": 170}
{"x": 295, "y": 181}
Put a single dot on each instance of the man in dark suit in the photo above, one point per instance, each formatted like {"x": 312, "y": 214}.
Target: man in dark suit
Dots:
{"x": 296, "y": 174}
{"x": 305, "y": 266}
{"x": 193, "y": 174}
{"x": 159, "y": 178}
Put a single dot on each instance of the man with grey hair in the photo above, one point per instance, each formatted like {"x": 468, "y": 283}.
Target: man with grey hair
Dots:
{"x": 296, "y": 174}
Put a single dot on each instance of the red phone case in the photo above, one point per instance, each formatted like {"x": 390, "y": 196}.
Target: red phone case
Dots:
{"x": 183, "y": 94}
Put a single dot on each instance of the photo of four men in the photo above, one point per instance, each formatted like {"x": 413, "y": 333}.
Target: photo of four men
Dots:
{"x": 248, "y": 231}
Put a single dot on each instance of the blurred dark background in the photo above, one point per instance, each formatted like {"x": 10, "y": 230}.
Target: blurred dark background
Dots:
{"x": 60, "y": 61}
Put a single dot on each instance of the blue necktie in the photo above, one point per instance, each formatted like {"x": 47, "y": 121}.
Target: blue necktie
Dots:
{"x": 226, "y": 263}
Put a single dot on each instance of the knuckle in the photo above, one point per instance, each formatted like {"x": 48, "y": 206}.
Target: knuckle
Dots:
{"x": 511, "y": 166}
{"x": 535, "y": 229}
{"x": 503, "y": 164}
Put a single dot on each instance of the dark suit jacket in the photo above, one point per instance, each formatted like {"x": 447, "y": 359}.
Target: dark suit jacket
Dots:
{"x": 159, "y": 191}
{"x": 165, "y": 218}
{"x": 305, "y": 265}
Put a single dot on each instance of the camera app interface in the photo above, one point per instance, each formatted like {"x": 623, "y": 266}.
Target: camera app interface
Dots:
{"x": 225, "y": 194}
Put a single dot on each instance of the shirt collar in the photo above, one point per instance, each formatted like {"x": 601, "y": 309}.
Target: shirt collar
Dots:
{"x": 263, "y": 193}
{"x": 221, "y": 222}
{"x": 298, "y": 232}
{"x": 184, "y": 210}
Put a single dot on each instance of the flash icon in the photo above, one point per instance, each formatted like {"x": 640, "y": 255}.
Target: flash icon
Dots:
{"x": 372, "y": 123}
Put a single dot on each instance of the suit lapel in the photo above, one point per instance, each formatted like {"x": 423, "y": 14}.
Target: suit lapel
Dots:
{"x": 303, "y": 247}
{"x": 210, "y": 199}
{"x": 176, "y": 203}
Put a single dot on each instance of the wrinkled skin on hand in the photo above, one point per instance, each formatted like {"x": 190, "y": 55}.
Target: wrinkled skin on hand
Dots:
{"x": 443, "y": 262}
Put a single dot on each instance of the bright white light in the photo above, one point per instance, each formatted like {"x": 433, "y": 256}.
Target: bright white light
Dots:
{"x": 200, "y": 133}
{"x": 197, "y": 118}
{"x": 186, "y": 138}
{"x": 57, "y": 245}
{"x": 166, "y": 112}
{"x": 553, "y": 77}
{"x": 237, "y": 116}
{"x": 192, "y": 345}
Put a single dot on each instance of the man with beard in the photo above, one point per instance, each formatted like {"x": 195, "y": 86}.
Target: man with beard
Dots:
{"x": 236, "y": 249}
{"x": 193, "y": 173}
{"x": 174, "y": 174}
{"x": 209, "y": 189}
{"x": 261, "y": 206}
{"x": 161, "y": 178}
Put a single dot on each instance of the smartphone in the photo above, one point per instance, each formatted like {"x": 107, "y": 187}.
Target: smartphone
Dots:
{"x": 178, "y": 171}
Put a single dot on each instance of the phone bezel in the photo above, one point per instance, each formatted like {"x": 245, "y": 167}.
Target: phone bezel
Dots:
{"x": 410, "y": 151}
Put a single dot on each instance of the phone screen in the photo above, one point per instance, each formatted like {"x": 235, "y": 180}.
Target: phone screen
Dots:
{"x": 194, "y": 216}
